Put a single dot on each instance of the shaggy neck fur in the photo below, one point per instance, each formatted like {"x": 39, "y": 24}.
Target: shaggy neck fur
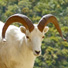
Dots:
{"x": 18, "y": 51}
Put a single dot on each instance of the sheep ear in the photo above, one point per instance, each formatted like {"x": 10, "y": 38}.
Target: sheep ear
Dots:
{"x": 23, "y": 29}
{"x": 46, "y": 29}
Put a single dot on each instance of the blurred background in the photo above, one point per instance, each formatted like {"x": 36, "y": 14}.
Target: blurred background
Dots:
{"x": 54, "y": 49}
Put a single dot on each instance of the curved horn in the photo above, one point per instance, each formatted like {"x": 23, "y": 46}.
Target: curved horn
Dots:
{"x": 49, "y": 18}
{"x": 18, "y": 18}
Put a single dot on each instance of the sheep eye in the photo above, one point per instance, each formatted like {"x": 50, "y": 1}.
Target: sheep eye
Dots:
{"x": 43, "y": 36}
{"x": 27, "y": 37}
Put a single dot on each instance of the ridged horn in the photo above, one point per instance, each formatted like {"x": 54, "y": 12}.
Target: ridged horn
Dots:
{"x": 18, "y": 18}
{"x": 49, "y": 18}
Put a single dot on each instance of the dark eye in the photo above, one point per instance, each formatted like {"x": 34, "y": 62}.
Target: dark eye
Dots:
{"x": 27, "y": 37}
{"x": 43, "y": 36}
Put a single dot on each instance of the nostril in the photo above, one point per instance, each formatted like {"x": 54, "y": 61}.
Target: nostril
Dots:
{"x": 37, "y": 52}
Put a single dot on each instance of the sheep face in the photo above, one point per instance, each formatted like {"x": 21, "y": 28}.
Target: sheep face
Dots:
{"x": 34, "y": 39}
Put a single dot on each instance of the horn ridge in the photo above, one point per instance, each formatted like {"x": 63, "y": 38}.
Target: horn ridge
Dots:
{"x": 44, "y": 21}
{"x": 18, "y": 18}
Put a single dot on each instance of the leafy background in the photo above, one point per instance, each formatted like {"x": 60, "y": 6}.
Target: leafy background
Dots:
{"x": 54, "y": 49}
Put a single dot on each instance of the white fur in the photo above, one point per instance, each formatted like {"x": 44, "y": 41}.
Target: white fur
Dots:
{"x": 18, "y": 51}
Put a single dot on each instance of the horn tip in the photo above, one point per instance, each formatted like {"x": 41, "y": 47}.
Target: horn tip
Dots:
{"x": 64, "y": 39}
{"x": 4, "y": 40}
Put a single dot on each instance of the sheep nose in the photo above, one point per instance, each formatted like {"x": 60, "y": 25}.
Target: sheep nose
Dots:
{"x": 37, "y": 52}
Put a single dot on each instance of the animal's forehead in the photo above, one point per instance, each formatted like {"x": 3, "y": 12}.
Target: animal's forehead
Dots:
{"x": 36, "y": 31}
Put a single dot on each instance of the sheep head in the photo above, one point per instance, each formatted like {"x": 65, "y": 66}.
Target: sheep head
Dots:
{"x": 34, "y": 38}
{"x": 34, "y": 34}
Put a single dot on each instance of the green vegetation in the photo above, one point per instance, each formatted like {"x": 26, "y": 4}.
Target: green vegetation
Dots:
{"x": 54, "y": 49}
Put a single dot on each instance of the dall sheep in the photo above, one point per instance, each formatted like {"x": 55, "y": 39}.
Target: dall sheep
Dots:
{"x": 19, "y": 47}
